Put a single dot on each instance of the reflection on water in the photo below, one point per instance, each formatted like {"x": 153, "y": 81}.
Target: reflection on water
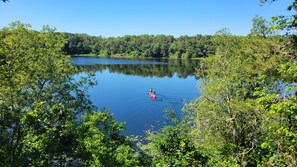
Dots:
{"x": 77, "y": 60}
{"x": 123, "y": 89}
{"x": 158, "y": 68}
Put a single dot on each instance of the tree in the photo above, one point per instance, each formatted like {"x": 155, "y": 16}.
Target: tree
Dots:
{"x": 171, "y": 146}
{"x": 280, "y": 103}
{"x": 260, "y": 27}
{"x": 284, "y": 22}
{"x": 39, "y": 99}
{"x": 100, "y": 142}
{"x": 41, "y": 105}
{"x": 226, "y": 118}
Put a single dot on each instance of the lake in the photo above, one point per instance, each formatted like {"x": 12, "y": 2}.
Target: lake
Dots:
{"x": 123, "y": 86}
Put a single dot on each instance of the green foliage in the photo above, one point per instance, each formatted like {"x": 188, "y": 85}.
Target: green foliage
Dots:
{"x": 260, "y": 27}
{"x": 231, "y": 125}
{"x": 79, "y": 43}
{"x": 171, "y": 146}
{"x": 280, "y": 125}
{"x": 36, "y": 86}
{"x": 287, "y": 23}
{"x": 279, "y": 99}
{"x": 41, "y": 107}
{"x": 101, "y": 143}
{"x": 159, "y": 46}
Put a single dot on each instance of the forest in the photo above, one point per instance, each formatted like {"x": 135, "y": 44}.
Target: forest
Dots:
{"x": 246, "y": 114}
{"x": 157, "y": 46}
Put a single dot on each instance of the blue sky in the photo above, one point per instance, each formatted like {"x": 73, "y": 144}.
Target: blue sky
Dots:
{"x": 112, "y": 18}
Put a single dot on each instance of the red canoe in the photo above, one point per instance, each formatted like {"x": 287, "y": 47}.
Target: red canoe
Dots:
{"x": 152, "y": 95}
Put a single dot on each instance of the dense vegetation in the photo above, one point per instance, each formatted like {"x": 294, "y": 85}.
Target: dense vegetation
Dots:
{"x": 247, "y": 112}
{"x": 159, "y": 46}
{"x": 246, "y": 115}
{"x": 46, "y": 118}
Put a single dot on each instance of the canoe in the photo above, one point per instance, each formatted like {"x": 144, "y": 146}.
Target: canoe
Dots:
{"x": 152, "y": 95}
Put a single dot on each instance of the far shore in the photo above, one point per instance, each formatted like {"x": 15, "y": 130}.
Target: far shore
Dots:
{"x": 129, "y": 57}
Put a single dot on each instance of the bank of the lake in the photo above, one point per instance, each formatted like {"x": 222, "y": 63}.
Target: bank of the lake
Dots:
{"x": 130, "y": 57}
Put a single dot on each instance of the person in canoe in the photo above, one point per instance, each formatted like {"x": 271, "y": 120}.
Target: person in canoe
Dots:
{"x": 152, "y": 93}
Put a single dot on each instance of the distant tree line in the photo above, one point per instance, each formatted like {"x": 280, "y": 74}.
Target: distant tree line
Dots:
{"x": 140, "y": 46}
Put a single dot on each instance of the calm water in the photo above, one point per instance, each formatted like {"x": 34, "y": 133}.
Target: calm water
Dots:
{"x": 123, "y": 88}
